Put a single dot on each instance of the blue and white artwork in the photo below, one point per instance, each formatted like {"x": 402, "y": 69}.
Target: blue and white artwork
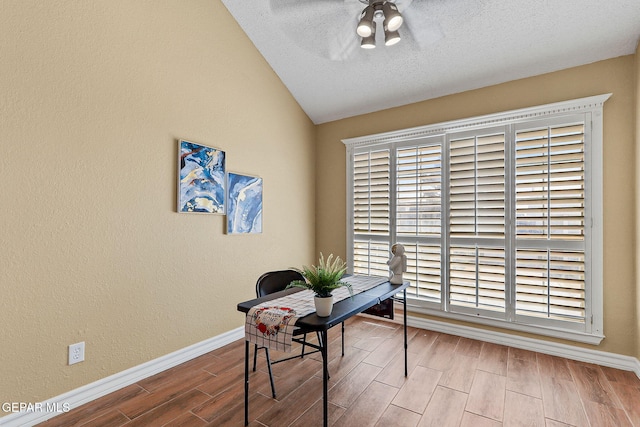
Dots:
{"x": 202, "y": 179}
{"x": 244, "y": 213}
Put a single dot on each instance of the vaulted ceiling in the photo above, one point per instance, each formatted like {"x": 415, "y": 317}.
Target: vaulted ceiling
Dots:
{"x": 447, "y": 46}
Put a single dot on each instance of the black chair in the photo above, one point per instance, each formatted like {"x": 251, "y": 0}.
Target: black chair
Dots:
{"x": 275, "y": 281}
{"x": 269, "y": 283}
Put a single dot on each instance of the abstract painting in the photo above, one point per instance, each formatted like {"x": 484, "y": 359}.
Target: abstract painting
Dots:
{"x": 201, "y": 186}
{"x": 244, "y": 213}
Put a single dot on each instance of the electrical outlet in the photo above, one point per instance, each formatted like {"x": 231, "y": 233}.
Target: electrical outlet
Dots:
{"x": 76, "y": 353}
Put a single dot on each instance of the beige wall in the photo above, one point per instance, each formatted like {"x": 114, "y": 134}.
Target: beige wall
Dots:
{"x": 93, "y": 97}
{"x": 615, "y": 76}
{"x": 637, "y": 75}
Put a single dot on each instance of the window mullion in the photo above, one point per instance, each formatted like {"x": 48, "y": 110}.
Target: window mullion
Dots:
{"x": 548, "y": 282}
{"x": 445, "y": 217}
{"x": 509, "y": 223}
{"x": 593, "y": 212}
{"x": 393, "y": 194}
{"x": 548, "y": 183}
{"x": 475, "y": 193}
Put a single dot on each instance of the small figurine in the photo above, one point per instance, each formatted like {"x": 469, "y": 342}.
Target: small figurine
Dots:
{"x": 397, "y": 264}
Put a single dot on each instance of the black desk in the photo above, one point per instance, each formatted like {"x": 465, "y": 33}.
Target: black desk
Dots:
{"x": 342, "y": 310}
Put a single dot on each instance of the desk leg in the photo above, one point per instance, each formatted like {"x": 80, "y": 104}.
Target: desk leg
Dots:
{"x": 246, "y": 383}
{"x": 404, "y": 311}
{"x": 325, "y": 378}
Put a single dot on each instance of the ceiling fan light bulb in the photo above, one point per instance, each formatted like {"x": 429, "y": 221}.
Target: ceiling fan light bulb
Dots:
{"x": 395, "y": 23}
{"x": 392, "y": 18}
{"x": 365, "y": 25}
{"x": 391, "y": 38}
{"x": 364, "y": 30}
{"x": 368, "y": 42}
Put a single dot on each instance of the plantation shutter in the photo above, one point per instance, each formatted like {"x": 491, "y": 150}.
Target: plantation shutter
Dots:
{"x": 418, "y": 187}
{"x": 476, "y": 186}
{"x": 550, "y": 284}
{"x": 419, "y": 216}
{"x": 370, "y": 257}
{"x": 476, "y": 277}
{"x": 371, "y": 212}
{"x": 500, "y": 216}
{"x": 477, "y": 221}
{"x": 550, "y": 222}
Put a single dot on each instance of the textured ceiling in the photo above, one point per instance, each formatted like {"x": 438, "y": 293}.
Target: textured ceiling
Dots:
{"x": 447, "y": 46}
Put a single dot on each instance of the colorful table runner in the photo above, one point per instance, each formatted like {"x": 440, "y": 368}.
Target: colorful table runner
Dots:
{"x": 271, "y": 324}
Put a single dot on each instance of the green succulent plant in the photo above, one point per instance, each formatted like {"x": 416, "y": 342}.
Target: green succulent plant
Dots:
{"x": 323, "y": 278}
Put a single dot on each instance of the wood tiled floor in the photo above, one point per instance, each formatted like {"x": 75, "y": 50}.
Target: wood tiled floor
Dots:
{"x": 452, "y": 382}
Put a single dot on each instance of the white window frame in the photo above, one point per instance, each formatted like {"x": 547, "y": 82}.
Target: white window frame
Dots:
{"x": 591, "y": 108}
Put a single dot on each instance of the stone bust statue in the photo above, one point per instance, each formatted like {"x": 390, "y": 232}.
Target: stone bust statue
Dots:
{"x": 397, "y": 264}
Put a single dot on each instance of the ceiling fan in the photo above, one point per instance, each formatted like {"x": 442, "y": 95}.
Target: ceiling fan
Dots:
{"x": 377, "y": 10}
{"x": 337, "y": 29}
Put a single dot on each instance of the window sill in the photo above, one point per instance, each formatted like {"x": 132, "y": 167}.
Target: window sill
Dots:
{"x": 565, "y": 334}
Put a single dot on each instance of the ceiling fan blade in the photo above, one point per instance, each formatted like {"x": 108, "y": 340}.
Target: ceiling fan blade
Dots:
{"x": 423, "y": 27}
{"x": 305, "y": 6}
{"x": 343, "y": 41}
{"x": 323, "y": 27}
{"x": 424, "y": 32}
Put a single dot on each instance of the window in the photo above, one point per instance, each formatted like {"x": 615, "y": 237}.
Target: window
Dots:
{"x": 371, "y": 211}
{"x": 500, "y": 216}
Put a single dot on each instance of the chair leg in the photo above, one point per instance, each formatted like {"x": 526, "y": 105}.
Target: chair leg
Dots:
{"x": 342, "y": 339}
{"x": 255, "y": 357}
{"x": 273, "y": 387}
{"x": 304, "y": 340}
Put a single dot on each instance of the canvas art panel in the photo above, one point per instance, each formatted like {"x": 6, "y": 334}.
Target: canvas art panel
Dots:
{"x": 202, "y": 179}
{"x": 244, "y": 212}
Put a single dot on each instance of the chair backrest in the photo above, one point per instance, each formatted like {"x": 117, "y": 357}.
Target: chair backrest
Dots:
{"x": 275, "y": 281}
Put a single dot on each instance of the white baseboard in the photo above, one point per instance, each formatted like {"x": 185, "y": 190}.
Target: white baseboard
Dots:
{"x": 85, "y": 394}
{"x": 89, "y": 392}
{"x": 612, "y": 360}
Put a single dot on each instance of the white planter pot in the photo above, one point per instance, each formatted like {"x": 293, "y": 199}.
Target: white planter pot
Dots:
{"x": 323, "y": 306}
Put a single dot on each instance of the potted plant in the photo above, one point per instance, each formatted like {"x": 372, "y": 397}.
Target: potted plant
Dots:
{"x": 322, "y": 280}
